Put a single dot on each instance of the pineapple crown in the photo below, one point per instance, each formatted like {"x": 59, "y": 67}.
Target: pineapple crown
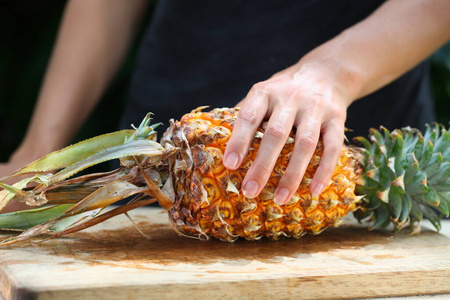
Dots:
{"x": 406, "y": 177}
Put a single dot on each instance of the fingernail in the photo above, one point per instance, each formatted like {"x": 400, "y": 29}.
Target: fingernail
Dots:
{"x": 281, "y": 196}
{"x": 250, "y": 189}
{"x": 232, "y": 160}
{"x": 317, "y": 190}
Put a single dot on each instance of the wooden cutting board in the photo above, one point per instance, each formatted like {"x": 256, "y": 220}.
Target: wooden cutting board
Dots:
{"x": 114, "y": 261}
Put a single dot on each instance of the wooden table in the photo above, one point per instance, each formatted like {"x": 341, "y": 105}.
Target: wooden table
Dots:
{"x": 114, "y": 261}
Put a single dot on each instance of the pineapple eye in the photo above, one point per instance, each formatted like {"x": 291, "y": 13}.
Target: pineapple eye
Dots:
{"x": 218, "y": 135}
{"x": 226, "y": 210}
{"x": 329, "y": 195}
{"x": 215, "y": 160}
{"x": 252, "y": 220}
{"x": 212, "y": 189}
{"x": 273, "y": 211}
{"x": 317, "y": 215}
{"x": 296, "y": 230}
{"x": 296, "y": 214}
{"x": 275, "y": 226}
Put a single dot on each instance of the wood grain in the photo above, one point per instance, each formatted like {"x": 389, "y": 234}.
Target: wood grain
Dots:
{"x": 113, "y": 261}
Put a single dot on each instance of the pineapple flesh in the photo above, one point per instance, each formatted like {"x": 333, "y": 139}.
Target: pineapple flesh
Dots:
{"x": 398, "y": 177}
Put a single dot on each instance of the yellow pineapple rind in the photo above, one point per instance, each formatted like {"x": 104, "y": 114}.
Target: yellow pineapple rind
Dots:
{"x": 208, "y": 200}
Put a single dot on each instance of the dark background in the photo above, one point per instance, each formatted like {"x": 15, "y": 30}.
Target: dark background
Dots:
{"x": 27, "y": 32}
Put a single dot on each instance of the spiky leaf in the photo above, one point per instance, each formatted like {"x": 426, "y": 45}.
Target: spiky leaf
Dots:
{"x": 75, "y": 153}
{"x": 421, "y": 185}
{"x": 25, "y": 219}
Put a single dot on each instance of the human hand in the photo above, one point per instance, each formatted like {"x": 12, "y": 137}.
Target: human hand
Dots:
{"x": 311, "y": 96}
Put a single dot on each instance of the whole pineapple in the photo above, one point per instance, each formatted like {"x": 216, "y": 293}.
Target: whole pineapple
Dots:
{"x": 398, "y": 177}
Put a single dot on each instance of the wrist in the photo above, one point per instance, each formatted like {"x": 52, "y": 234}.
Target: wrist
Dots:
{"x": 344, "y": 83}
{"x": 332, "y": 57}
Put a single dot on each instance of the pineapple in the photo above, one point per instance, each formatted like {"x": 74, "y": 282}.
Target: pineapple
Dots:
{"x": 398, "y": 177}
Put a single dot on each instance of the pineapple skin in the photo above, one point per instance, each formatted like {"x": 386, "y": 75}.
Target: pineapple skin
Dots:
{"x": 208, "y": 200}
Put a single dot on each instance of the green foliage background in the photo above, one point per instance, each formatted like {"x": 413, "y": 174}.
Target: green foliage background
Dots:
{"x": 28, "y": 29}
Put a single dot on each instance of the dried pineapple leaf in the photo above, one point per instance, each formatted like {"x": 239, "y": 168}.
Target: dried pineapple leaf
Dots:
{"x": 106, "y": 195}
{"x": 65, "y": 157}
{"x": 68, "y": 222}
{"x": 232, "y": 188}
{"x": 169, "y": 190}
{"x": 136, "y": 225}
{"x": 105, "y": 216}
{"x": 16, "y": 189}
{"x": 13, "y": 190}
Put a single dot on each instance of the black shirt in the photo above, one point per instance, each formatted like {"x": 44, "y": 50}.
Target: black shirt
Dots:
{"x": 197, "y": 53}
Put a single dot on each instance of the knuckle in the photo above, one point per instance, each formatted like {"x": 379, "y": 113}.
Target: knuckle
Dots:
{"x": 335, "y": 149}
{"x": 293, "y": 178}
{"x": 241, "y": 139}
{"x": 337, "y": 113}
{"x": 326, "y": 171}
{"x": 307, "y": 141}
{"x": 237, "y": 140}
{"x": 317, "y": 100}
{"x": 261, "y": 167}
{"x": 276, "y": 131}
{"x": 261, "y": 87}
{"x": 296, "y": 94}
{"x": 248, "y": 114}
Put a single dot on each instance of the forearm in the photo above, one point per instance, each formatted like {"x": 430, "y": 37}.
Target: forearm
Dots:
{"x": 92, "y": 41}
{"x": 395, "y": 38}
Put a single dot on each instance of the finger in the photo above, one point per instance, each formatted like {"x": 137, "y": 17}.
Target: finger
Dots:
{"x": 333, "y": 139}
{"x": 273, "y": 141}
{"x": 250, "y": 116}
{"x": 306, "y": 138}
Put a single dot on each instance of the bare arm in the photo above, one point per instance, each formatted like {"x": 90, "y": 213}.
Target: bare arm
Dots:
{"x": 92, "y": 41}
{"x": 314, "y": 94}
{"x": 394, "y": 39}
